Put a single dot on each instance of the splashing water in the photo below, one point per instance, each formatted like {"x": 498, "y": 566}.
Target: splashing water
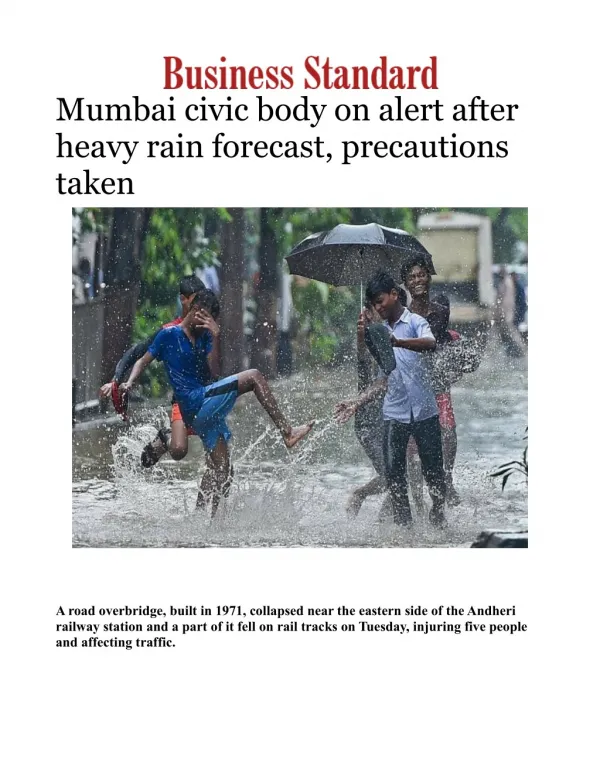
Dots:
{"x": 296, "y": 497}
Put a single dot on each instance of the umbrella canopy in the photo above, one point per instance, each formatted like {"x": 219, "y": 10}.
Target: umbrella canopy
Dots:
{"x": 350, "y": 254}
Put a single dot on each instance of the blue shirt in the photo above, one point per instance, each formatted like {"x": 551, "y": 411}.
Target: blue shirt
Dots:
{"x": 183, "y": 362}
{"x": 409, "y": 396}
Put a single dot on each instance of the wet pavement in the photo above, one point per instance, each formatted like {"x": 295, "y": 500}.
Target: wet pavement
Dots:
{"x": 298, "y": 497}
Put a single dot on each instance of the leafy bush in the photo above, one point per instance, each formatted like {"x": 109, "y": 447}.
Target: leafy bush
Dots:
{"x": 507, "y": 470}
{"x": 327, "y": 321}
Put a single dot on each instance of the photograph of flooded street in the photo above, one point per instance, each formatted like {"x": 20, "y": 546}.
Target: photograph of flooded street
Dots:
{"x": 326, "y": 377}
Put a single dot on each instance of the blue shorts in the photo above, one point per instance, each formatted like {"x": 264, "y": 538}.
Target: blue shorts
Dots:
{"x": 209, "y": 422}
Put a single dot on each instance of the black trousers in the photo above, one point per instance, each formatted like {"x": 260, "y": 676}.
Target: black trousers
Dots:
{"x": 428, "y": 436}
{"x": 370, "y": 432}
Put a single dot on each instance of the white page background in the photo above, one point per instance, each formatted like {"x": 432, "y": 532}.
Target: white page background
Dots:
{"x": 303, "y": 703}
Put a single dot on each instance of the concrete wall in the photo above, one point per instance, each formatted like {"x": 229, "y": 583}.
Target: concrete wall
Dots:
{"x": 88, "y": 325}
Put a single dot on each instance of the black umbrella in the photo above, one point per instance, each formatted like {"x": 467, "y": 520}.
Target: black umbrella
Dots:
{"x": 350, "y": 254}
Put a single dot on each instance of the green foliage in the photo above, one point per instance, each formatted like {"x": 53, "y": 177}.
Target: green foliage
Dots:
{"x": 92, "y": 219}
{"x": 149, "y": 318}
{"x": 509, "y": 226}
{"x": 175, "y": 246}
{"x": 518, "y": 222}
{"x": 507, "y": 470}
{"x": 179, "y": 240}
{"x": 291, "y": 226}
{"x": 327, "y": 315}
{"x": 327, "y": 319}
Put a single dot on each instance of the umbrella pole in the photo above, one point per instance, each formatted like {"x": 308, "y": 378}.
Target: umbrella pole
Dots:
{"x": 361, "y": 254}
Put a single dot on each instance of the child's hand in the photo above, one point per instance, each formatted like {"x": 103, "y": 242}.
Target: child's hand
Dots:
{"x": 360, "y": 329}
{"x": 206, "y": 321}
{"x": 344, "y": 411}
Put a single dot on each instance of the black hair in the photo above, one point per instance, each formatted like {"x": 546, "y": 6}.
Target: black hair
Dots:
{"x": 416, "y": 261}
{"x": 381, "y": 283}
{"x": 207, "y": 301}
{"x": 190, "y": 284}
{"x": 402, "y": 296}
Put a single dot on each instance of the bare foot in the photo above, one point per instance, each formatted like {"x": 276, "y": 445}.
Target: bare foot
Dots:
{"x": 452, "y": 497}
{"x": 354, "y": 503}
{"x": 386, "y": 511}
{"x": 294, "y": 435}
{"x": 437, "y": 517}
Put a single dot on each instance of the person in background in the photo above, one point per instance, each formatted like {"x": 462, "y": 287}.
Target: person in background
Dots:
{"x": 409, "y": 406}
{"x": 505, "y": 312}
{"x": 84, "y": 270}
{"x": 417, "y": 279}
{"x": 77, "y": 288}
{"x": 210, "y": 277}
{"x": 520, "y": 302}
{"x": 368, "y": 421}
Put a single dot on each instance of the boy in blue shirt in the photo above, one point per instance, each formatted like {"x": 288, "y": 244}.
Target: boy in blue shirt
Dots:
{"x": 184, "y": 349}
{"x": 175, "y": 440}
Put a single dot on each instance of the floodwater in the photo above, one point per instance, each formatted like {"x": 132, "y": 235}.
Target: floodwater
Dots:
{"x": 297, "y": 498}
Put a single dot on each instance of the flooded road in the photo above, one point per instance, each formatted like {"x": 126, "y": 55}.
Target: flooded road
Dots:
{"x": 298, "y": 498}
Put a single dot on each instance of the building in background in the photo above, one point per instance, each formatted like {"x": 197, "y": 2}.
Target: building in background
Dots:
{"x": 86, "y": 276}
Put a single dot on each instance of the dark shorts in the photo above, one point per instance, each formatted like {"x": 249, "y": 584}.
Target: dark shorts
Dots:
{"x": 210, "y": 421}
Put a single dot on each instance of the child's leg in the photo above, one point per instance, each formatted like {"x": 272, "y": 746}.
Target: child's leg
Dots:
{"x": 178, "y": 445}
{"x": 253, "y": 380}
{"x": 397, "y": 436}
{"x": 371, "y": 438}
{"x": 372, "y": 488}
{"x": 415, "y": 476}
{"x": 216, "y": 480}
{"x": 449, "y": 443}
{"x": 154, "y": 450}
